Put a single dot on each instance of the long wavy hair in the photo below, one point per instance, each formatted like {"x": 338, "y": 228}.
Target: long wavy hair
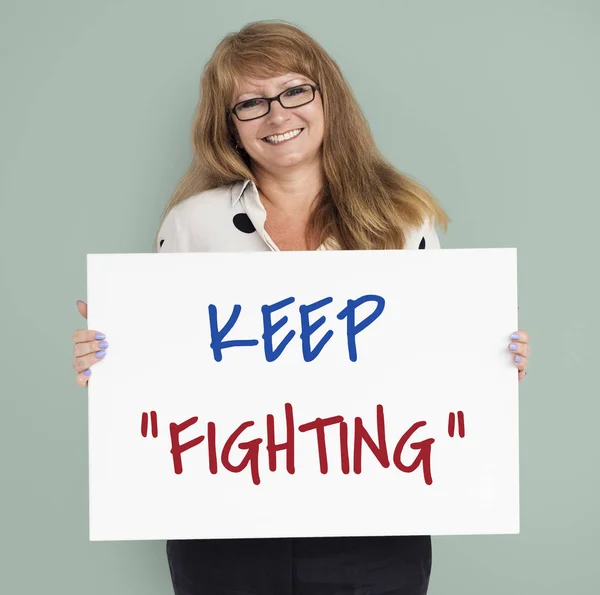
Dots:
{"x": 365, "y": 202}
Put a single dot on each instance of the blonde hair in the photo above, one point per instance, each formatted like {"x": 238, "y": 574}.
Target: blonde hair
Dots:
{"x": 365, "y": 202}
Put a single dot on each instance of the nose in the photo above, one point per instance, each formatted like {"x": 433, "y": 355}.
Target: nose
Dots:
{"x": 278, "y": 113}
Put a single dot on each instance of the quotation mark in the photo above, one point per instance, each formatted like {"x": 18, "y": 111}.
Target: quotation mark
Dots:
{"x": 452, "y": 422}
{"x": 153, "y": 424}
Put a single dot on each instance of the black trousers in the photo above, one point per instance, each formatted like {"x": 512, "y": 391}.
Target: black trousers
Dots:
{"x": 306, "y": 566}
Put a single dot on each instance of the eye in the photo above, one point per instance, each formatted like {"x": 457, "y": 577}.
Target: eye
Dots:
{"x": 249, "y": 104}
{"x": 294, "y": 91}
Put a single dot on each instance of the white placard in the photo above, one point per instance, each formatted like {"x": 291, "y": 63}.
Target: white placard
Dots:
{"x": 398, "y": 415}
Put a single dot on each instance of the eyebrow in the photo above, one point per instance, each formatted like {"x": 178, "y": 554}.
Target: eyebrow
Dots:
{"x": 257, "y": 91}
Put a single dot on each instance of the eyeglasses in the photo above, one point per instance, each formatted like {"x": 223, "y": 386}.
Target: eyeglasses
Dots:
{"x": 258, "y": 107}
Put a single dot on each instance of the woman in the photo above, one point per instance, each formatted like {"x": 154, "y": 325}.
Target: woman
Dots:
{"x": 284, "y": 160}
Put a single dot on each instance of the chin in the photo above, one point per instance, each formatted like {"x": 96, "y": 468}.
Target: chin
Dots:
{"x": 289, "y": 163}
{"x": 283, "y": 161}
{"x": 293, "y": 158}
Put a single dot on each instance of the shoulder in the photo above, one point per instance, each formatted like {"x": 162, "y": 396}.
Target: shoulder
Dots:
{"x": 195, "y": 220}
{"x": 423, "y": 237}
{"x": 214, "y": 220}
{"x": 203, "y": 206}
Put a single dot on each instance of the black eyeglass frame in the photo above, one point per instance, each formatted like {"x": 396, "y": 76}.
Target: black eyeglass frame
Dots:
{"x": 277, "y": 98}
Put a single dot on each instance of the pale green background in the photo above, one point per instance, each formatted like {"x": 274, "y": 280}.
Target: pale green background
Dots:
{"x": 494, "y": 106}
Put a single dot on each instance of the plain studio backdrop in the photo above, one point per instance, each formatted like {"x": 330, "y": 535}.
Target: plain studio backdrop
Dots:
{"x": 492, "y": 105}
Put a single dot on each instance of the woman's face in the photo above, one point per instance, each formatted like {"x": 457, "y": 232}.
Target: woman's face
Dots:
{"x": 272, "y": 154}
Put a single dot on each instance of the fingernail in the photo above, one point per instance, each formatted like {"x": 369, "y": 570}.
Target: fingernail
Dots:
{"x": 513, "y": 347}
{"x": 518, "y": 359}
{"x": 99, "y": 336}
{"x": 100, "y": 354}
{"x": 103, "y": 344}
{"x": 515, "y": 336}
{"x": 87, "y": 372}
{"x": 80, "y": 301}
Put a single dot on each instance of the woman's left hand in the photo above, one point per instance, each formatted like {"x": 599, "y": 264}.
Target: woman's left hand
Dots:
{"x": 519, "y": 347}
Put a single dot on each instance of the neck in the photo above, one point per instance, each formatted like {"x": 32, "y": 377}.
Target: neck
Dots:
{"x": 290, "y": 192}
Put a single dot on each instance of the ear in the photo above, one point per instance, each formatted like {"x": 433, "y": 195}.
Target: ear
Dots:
{"x": 233, "y": 133}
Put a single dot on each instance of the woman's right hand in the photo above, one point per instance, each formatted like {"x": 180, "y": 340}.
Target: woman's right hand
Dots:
{"x": 90, "y": 348}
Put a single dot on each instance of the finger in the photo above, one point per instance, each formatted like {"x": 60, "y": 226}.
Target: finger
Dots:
{"x": 83, "y": 336}
{"x": 522, "y": 374}
{"x": 87, "y": 361}
{"x": 522, "y": 349}
{"x": 82, "y": 307}
{"x": 82, "y": 378}
{"x": 520, "y": 336}
{"x": 521, "y": 362}
{"x": 90, "y": 347}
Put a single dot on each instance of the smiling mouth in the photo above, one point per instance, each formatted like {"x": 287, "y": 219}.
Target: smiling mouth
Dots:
{"x": 281, "y": 142}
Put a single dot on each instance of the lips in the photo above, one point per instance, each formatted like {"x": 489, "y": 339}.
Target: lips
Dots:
{"x": 282, "y": 133}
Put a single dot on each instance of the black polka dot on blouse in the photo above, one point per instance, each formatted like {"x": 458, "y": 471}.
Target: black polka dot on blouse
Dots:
{"x": 422, "y": 244}
{"x": 243, "y": 223}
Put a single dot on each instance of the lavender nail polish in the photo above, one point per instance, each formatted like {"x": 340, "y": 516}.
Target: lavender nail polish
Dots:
{"x": 515, "y": 336}
{"x": 518, "y": 359}
{"x": 87, "y": 372}
{"x": 103, "y": 344}
{"x": 100, "y": 354}
{"x": 99, "y": 336}
{"x": 513, "y": 347}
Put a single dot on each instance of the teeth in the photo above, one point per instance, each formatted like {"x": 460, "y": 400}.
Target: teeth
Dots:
{"x": 281, "y": 137}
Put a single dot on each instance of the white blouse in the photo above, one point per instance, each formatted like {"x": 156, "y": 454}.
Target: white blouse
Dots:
{"x": 232, "y": 219}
